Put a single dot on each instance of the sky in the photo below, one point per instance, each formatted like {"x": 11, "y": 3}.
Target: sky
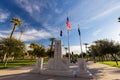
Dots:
{"x": 43, "y": 19}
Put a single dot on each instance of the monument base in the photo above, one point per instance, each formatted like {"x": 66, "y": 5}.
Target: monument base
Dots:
{"x": 57, "y": 73}
{"x": 86, "y": 74}
{"x": 57, "y": 65}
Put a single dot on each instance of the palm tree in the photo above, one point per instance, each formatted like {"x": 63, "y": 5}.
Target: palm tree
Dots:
{"x": 16, "y": 22}
{"x": 51, "y": 46}
{"x": 52, "y": 42}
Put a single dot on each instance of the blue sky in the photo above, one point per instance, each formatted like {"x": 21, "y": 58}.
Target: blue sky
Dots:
{"x": 43, "y": 19}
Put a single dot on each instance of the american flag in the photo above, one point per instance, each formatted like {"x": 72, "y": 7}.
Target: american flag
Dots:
{"x": 68, "y": 24}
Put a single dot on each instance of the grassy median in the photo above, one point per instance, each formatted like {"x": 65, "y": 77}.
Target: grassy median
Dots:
{"x": 18, "y": 63}
{"x": 111, "y": 63}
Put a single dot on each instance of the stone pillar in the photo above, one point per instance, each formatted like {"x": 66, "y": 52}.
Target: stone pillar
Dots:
{"x": 39, "y": 63}
{"x": 82, "y": 69}
{"x": 58, "y": 51}
{"x": 81, "y": 65}
{"x": 38, "y": 66}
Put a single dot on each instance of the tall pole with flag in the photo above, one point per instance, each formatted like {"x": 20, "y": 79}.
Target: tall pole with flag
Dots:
{"x": 68, "y": 29}
{"x": 80, "y": 41}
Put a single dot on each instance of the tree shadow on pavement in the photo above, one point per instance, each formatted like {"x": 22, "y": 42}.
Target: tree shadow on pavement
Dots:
{"x": 97, "y": 73}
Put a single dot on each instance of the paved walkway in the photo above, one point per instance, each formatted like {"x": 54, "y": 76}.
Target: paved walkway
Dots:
{"x": 103, "y": 72}
{"x": 99, "y": 71}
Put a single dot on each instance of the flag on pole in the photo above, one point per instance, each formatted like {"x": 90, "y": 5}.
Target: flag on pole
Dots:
{"x": 68, "y": 24}
{"x": 79, "y": 32}
{"x": 61, "y": 33}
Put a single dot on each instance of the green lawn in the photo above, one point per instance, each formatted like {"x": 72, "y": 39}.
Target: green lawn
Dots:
{"x": 111, "y": 63}
{"x": 18, "y": 63}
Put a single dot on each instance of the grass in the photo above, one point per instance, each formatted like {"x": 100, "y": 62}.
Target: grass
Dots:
{"x": 111, "y": 63}
{"x": 18, "y": 63}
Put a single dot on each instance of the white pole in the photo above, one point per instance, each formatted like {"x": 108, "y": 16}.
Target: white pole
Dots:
{"x": 80, "y": 43}
{"x": 68, "y": 46}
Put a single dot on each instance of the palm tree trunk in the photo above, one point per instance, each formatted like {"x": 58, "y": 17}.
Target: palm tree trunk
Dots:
{"x": 13, "y": 31}
{"x": 4, "y": 58}
{"x": 5, "y": 64}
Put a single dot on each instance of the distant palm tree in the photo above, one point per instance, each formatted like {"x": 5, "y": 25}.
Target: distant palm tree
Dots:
{"x": 21, "y": 33}
{"x": 16, "y": 22}
{"x": 52, "y": 42}
{"x": 51, "y": 46}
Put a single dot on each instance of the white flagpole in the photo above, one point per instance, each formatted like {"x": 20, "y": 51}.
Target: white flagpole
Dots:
{"x": 68, "y": 46}
{"x": 80, "y": 42}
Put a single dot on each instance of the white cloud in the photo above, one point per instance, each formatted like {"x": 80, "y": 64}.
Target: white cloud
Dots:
{"x": 76, "y": 49}
{"x": 8, "y": 31}
{"x": 3, "y": 15}
{"x": 105, "y": 13}
{"x": 54, "y": 30}
{"x": 97, "y": 32}
{"x": 109, "y": 31}
{"x": 3, "y": 36}
{"x": 29, "y": 35}
{"x": 36, "y": 6}
{"x": 37, "y": 9}
{"x": 35, "y": 35}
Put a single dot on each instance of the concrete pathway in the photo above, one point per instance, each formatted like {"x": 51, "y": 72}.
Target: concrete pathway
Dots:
{"x": 99, "y": 71}
{"x": 103, "y": 72}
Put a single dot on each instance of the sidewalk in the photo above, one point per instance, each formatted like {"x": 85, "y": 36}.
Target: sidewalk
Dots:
{"x": 103, "y": 72}
{"x": 99, "y": 71}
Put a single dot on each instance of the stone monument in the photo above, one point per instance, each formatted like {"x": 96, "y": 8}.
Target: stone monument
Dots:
{"x": 56, "y": 65}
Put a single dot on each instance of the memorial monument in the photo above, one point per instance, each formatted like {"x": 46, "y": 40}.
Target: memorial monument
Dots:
{"x": 58, "y": 66}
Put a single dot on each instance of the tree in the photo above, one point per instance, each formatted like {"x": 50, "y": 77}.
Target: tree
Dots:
{"x": 38, "y": 50}
{"x": 93, "y": 52}
{"x": 16, "y": 22}
{"x": 104, "y": 47}
{"x": 12, "y": 47}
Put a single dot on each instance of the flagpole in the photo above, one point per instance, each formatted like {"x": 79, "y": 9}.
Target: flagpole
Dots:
{"x": 68, "y": 27}
{"x": 80, "y": 42}
{"x": 68, "y": 46}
